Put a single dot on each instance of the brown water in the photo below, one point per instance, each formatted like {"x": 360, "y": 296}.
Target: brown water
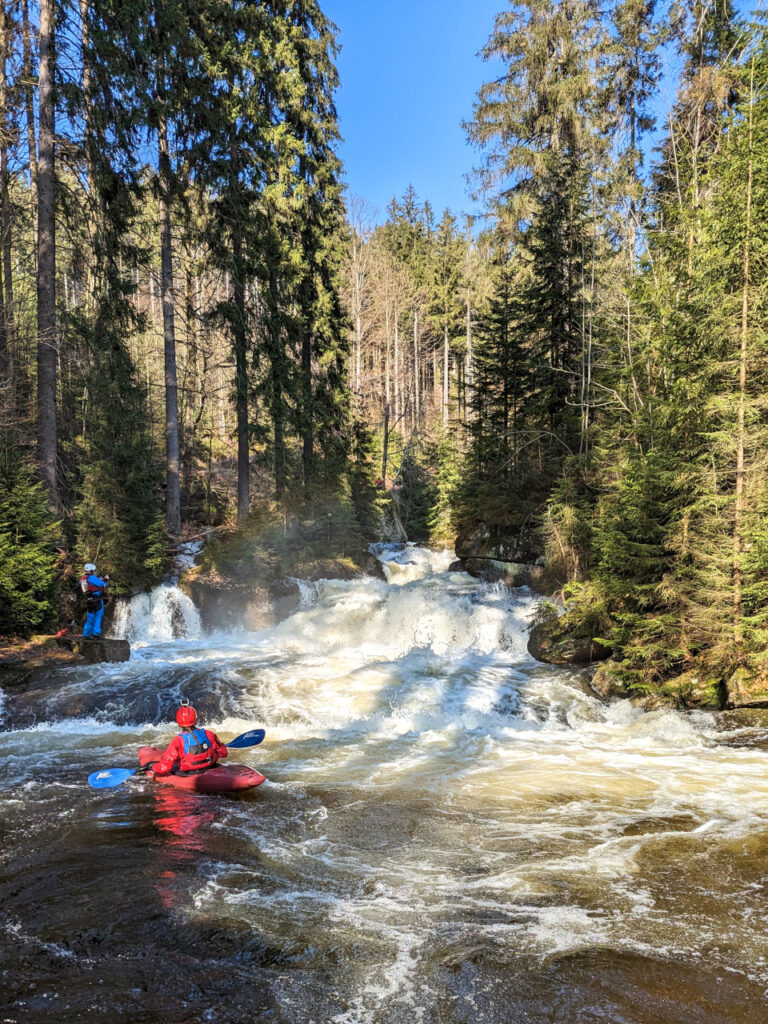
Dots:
{"x": 449, "y": 833}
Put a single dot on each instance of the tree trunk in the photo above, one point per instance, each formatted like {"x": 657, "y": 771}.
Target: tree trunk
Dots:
{"x": 445, "y": 375}
{"x": 387, "y": 369}
{"x": 173, "y": 491}
{"x": 46, "y": 264}
{"x": 29, "y": 103}
{"x": 385, "y": 447}
{"x": 743, "y": 355}
{"x": 308, "y": 438}
{"x": 468, "y": 367}
{"x": 358, "y": 299}
{"x": 241, "y": 378}
{"x": 417, "y": 399}
{"x": 397, "y": 369}
{"x": 278, "y": 425}
{"x": 6, "y": 326}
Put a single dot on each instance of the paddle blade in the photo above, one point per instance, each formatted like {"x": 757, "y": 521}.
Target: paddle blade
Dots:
{"x": 248, "y": 739}
{"x": 109, "y": 777}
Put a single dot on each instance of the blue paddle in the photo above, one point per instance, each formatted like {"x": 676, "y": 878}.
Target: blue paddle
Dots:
{"x": 110, "y": 777}
{"x": 247, "y": 739}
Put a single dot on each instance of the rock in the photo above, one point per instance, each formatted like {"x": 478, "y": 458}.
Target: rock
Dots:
{"x": 94, "y": 651}
{"x": 557, "y": 642}
{"x": 694, "y": 689}
{"x": 483, "y": 541}
{"x": 690, "y": 690}
{"x": 607, "y": 682}
{"x": 474, "y": 542}
{"x": 493, "y": 570}
{"x": 747, "y": 688}
{"x": 457, "y": 566}
{"x": 285, "y": 587}
{"x": 226, "y": 604}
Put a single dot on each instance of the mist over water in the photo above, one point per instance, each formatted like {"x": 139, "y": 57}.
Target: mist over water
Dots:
{"x": 450, "y": 831}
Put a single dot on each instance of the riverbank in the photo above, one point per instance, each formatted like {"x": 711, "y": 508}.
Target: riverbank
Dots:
{"x": 572, "y": 637}
{"x": 577, "y": 626}
{"x": 21, "y": 659}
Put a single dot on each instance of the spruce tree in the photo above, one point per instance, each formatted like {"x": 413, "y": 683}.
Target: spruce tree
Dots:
{"x": 27, "y": 576}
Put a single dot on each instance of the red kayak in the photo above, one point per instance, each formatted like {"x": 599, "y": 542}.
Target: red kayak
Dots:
{"x": 222, "y": 778}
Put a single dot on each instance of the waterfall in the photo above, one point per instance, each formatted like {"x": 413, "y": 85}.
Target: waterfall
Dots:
{"x": 166, "y": 613}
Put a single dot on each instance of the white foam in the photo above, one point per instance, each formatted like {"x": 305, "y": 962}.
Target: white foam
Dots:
{"x": 167, "y": 613}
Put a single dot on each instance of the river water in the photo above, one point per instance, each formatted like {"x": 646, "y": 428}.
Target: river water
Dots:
{"x": 450, "y": 832}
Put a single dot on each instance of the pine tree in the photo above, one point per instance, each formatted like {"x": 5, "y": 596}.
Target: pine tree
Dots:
{"x": 27, "y": 577}
{"x": 446, "y": 260}
{"x": 503, "y": 432}
{"x": 47, "y": 340}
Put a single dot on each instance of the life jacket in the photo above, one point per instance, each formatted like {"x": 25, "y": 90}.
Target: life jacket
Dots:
{"x": 197, "y": 751}
{"x": 93, "y": 594}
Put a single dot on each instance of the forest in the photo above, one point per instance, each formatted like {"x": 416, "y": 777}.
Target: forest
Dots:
{"x": 200, "y": 326}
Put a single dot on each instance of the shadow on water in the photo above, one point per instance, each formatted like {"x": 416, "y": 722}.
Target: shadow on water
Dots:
{"x": 108, "y": 936}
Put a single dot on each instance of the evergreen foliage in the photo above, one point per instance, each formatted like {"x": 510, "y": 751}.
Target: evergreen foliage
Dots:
{"x": 27, "y": 576}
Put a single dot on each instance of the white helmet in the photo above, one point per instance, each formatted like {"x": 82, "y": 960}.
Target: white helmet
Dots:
{"x": 89, "y": 567}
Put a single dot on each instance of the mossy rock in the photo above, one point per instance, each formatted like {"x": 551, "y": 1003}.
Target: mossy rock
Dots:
{"x": 608, "y": 681}
{"x": 486, "y": 541}
{"x": 511, "y": 574}
{"x": 559, "y": 641}
{"x": 694, "y": 689}
{"x": 748, "y": 687}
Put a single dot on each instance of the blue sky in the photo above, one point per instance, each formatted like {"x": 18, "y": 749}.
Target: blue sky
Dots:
{"x": 409, "y": 75}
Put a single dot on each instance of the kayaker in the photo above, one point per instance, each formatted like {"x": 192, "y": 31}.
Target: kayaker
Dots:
{"x": 95, "y": 590}
{"x": 193, "y": 750}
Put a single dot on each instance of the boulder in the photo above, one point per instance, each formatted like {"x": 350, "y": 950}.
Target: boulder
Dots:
{"x": 226, "y": 604}
{"x": 95, "y": 650}
{"x": 493, "y": 570}
{"x": 607, "y": 682}
{"x": 694, "y": 689}
{"x": 748, "y": 688}
{"x": 690, "y": 690}
{"x": 484, "y": 541}
{"x": 557, "y": 642}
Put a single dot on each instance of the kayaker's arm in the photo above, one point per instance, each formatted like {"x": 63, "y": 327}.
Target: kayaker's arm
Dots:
{"x": 216, "y": 744}
{"x": 172, "y": 754}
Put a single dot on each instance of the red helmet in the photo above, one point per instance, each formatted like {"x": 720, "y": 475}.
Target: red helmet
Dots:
{"x": 186, "y": 716}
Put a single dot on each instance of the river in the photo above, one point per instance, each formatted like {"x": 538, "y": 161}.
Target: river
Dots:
{"x": 450, "y": 832}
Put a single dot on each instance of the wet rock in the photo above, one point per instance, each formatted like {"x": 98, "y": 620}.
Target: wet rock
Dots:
{"x": 558, "y": 642}
{"x": 695, "y": 689}
{"x": 286, "y": 587}
{"x": 748, "y": 688}
{"x": 493, "y": 542}
{"x": 226, "y": 604}
{"x": 94, "y": 651}
{"x": 493, "y": 570}
{"x": 457, "y": 566}
{"x": 607, "y": 682}
{"x": 690, "y": 690}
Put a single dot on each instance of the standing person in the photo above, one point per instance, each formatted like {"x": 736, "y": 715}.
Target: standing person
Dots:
{"x": 193, "y": 750}
{"x": 95, "y": 589}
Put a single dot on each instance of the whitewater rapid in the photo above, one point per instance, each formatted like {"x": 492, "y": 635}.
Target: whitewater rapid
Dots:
{"x": 436, "y": 798}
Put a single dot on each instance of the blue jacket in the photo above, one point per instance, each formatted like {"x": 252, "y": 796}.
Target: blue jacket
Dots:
{"x": 97, "y": 583}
